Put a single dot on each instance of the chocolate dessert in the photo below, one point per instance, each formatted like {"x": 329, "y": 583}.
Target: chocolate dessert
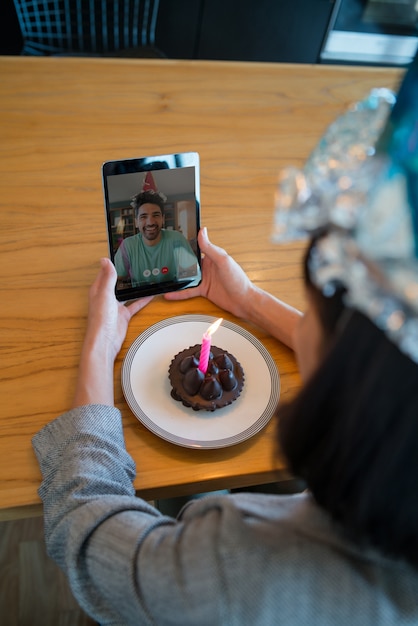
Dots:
{"x": 220, "y": 386}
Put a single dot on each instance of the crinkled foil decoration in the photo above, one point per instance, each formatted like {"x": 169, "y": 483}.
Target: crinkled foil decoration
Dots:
{"x": 360, "y": 197}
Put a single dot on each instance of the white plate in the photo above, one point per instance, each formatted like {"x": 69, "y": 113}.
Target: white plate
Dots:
{"x": 147, "y": 388}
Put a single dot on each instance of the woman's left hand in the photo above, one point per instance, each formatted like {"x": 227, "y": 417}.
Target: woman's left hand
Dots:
{"x": 107, "y": 324}
{"x": 108, "y": 318}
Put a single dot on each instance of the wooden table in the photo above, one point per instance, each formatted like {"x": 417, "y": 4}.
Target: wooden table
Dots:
{"x": 60, "y": 119}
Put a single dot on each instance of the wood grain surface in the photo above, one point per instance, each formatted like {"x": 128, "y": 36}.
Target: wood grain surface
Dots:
{"x": 61, "y": 118}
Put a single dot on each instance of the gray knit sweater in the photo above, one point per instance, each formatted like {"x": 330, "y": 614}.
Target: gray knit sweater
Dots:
{"x": 233, "y": 560}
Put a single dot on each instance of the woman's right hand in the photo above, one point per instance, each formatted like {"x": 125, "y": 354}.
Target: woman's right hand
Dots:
{"x": 224, "y": 282}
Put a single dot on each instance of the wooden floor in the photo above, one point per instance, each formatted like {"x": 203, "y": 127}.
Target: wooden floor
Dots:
{"x": 33, "y": 590}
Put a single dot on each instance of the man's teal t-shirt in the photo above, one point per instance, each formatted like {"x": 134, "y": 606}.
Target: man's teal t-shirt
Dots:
{"x": 172, "y": 258}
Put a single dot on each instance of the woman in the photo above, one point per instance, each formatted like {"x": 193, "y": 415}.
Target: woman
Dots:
{"x": 343, "y": 552}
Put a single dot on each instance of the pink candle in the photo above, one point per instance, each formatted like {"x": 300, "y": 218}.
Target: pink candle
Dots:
{"x": 206, "y": 343}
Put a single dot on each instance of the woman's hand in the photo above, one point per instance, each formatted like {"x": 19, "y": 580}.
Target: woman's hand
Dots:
{"x": 108, "y": 318}
{"x": 224, "y": 282}
{"x": 107, "y": 324}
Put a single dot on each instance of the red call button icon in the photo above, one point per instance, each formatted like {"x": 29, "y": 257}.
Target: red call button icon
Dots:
{"x": 164, "y": 270}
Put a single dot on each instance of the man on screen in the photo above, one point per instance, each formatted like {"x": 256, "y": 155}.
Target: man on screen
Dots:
{"x": 154, "y": 254}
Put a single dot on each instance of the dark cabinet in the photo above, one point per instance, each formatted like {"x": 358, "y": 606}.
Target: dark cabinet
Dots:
{"x": 289, "y": 31}
{"x": 178, "y": 28}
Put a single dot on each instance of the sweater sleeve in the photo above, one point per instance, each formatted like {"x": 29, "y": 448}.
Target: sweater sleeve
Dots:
{"x": 87, "y": 481}
{"x": 125, "y": 561}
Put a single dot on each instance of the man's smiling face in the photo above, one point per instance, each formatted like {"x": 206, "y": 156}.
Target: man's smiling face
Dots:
{"x": 149, "y": 222}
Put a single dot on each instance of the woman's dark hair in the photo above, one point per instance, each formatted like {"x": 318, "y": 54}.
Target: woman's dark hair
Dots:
{"x": 352, "y": 432}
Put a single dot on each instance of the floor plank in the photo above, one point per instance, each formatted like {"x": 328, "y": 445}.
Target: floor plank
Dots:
{"x": 33, "y": 589}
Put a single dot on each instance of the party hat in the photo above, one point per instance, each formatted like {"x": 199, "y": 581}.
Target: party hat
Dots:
{"x": 359, "y": 188}
{"x": 149, "y": 183}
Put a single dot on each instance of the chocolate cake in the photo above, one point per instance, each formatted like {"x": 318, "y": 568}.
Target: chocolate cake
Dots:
{"x": 220, "y": 386}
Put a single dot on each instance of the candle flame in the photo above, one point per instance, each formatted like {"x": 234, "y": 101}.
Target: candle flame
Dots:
{"x": 213, "y": 327}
